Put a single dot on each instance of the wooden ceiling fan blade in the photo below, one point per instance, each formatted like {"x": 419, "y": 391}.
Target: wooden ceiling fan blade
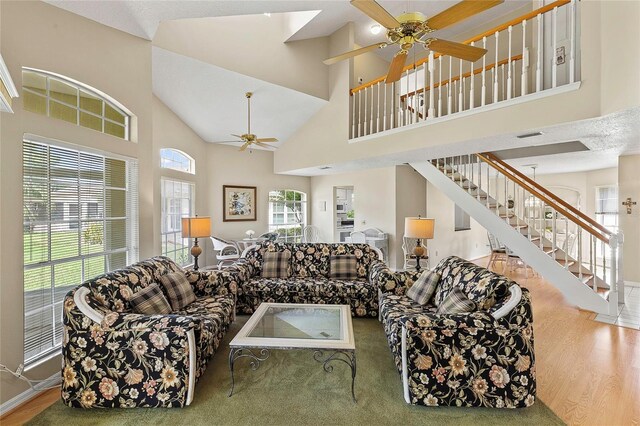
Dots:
{"x": 244, "y": 146}
{"x": 227, "y": 142}
{"x": 457, "y": 50}
{"x": 237, "y": 136}
{"x": 395, "y": 69}
{"x": 376, "y": 12}
{"x": 460, "y": 12}
{"x": 267, "y": 140}
{"x": 353, "y": 53}
{"x": 269, "y": 147}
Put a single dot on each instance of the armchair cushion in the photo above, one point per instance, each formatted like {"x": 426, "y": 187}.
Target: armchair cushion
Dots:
{"x": 150, "y": 301}
{"x": 276, "y": 265}
{"x": 423, "y": 289}
{"x": 343, "y": 267}
{"x": 456, "y": 302}
{"x": 179, "y": 291}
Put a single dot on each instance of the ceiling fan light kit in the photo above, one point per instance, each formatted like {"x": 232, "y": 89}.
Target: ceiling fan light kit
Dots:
{"x": 413, "y": 28}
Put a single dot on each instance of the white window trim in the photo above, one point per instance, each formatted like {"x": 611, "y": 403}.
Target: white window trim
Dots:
{"x": 162, "y": 213}
{"x": 192, "y": 161}
{"x": 273, "y": 227}
{"x": 91, "y": 91}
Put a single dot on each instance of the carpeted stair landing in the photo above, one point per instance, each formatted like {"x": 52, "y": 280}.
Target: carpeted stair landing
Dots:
{"x": 290, "y": 388}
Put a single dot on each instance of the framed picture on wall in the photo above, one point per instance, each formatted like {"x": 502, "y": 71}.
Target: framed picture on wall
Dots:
{"x": 239, "y": 203}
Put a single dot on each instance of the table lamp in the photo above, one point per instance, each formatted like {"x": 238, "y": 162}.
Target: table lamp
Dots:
{"x": 196, "y": 227}
{"x": 419, "y": 227}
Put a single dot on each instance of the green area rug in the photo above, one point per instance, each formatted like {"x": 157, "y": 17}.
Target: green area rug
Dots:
{"x": 291, "y": 388}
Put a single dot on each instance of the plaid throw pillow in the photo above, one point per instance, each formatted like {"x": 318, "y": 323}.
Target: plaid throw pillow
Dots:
{"x": 179, "y": 291}
{"x": 275, "y": 264}
{"x": 425, "y": 286}
{"x": 343, "y": 267}
{"x": 150, "y": 301}
{"x": 456, "y": 303}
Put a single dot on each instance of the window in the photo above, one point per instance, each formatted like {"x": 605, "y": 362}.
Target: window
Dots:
{"x": 607, "y": 206}
{"x": 58, "y": 97}
{"x": 177, "y": 202}
{"x": 287, "y": 214}
{"x": 80, "y": 220}
{"x": 177, "y": 160}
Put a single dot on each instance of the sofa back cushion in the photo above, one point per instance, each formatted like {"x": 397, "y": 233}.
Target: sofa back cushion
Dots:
{"x": 479, "y": 284}
{"x": 178, "y": 290}
{"x": 313, "y": 259}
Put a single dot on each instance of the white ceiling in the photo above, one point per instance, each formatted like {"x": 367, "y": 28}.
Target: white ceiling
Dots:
{"x": 141, "y": 18}
{"x": 211, "y": 100}
{"x": 606, "y": 137}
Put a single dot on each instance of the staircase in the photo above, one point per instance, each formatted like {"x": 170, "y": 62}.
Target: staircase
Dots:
{"x": 582, "y": 258}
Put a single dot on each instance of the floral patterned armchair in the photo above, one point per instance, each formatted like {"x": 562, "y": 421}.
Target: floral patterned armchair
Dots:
{"x": 113, "y": 357}
{"x": 309, "y": 281}
{"x": 479, "y": 359}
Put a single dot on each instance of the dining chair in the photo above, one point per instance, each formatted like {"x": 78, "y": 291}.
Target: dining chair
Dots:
{"x": 226, "y": 251}
{"x": 358, "y": 237}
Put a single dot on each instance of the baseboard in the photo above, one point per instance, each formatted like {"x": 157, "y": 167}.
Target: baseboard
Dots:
{"x": 27, "y": 395}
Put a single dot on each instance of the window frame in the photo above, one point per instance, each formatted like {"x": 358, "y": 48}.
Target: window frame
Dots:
{"x": 190, "y": 169}
{"x": 176, "y": 231}
{"x": 285, "y": 212}
{"x": 80, "y": 87}
{"x": 76, "y": 224}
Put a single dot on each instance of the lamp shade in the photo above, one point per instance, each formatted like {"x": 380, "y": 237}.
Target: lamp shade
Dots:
{"x": 196, "y": 227}
{"x": 418, "y": 227}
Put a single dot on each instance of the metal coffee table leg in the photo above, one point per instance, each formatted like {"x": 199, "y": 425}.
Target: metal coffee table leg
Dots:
{"x": 237, "y": 353}
{"x": 346, "y": 356}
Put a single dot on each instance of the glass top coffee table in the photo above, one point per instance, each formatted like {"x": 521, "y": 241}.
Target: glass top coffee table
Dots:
{"x": 325, "y": 329}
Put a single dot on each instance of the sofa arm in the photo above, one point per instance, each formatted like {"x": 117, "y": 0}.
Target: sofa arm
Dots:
{"x": 466, "y": 360}
{"x": 220, "y": 282}
{"x": 131, "y": 361}
{"x": 388, "y": 281}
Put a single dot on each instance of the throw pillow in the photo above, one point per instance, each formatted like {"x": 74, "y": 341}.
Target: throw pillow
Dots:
{"x": 150, "y": 301}
{"x": 275, "y": 264}
{"x": 456, "y": 302}
{"x": 179, "y": 291}
{"x": 425, "y": 286}
{"x": 343, "y": 267}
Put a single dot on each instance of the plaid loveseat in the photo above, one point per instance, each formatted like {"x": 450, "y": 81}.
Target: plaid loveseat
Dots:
{"x": 479, "y": 359}
{"x": 309, "y": 281}
{"x": 113, "y": 357}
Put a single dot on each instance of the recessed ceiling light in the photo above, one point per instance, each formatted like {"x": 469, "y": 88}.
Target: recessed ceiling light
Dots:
{"x": 375, "y": 29}
{"x": 267, "y": 14}
{"x": 529, "y": 135}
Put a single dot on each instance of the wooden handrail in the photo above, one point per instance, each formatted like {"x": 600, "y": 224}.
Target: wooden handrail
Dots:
{"x": 478, "y": 37}
{"x": 465, "y": 75}
{"x": 547, "y": 196}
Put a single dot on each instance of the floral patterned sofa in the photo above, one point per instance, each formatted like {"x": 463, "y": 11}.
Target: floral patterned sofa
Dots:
{"x": 309, "y": 281}
{"x": 115, "y": 358}
{"x": 481, "y": 359}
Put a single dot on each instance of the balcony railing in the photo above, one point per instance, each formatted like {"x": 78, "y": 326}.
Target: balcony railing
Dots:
{"x": 527, "y": 55}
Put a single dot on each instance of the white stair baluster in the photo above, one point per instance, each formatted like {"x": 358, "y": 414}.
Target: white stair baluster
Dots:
{"x": 472, "y": 85}
{"x": 524, "y": 83}
{"x": 359, "y": 110}
{"x": 510, "y": 30}
{"x": 353, "y": 115}
{"x": 460, "y": 94}
{"x": 366, "y": 97}
{"x": 439, "y": 87}
{"x": 483, "y": 95}
{"x": 495, "y": 76}
{"x": 432, "y": 89}
{"x": 415, "y": 95}
{"x": 449, "y": 85}
{"x": 540, "y": 49}
{"x": 554, "y": 66}
{"x": 378, "y": 109}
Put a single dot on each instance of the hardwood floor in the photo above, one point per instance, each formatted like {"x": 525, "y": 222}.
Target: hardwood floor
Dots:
{"x": 588, "y": 372}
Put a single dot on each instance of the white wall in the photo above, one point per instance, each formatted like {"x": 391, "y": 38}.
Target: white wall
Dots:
{"x": 111, "y": 61}
{"x": 469, "y": 244}
{"x": 411, "y": 201}
{"x": 226, "y": 165}
{"x": 374, "y": 202}
{"x": 629, "y": 186}
{"x": 252, "y": 45}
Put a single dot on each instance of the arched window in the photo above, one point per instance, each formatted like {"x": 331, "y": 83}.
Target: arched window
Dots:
{"x": 59, "y": 97}
{"x": 177, "y": 160}
{"x": 287, "y": 214}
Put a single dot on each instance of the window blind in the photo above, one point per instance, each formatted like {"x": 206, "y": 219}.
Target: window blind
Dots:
{"x": 80, "y": 220}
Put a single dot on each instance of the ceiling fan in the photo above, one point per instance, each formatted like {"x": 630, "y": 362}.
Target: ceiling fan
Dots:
{"x": 414, "y": 28}
{"x": 247, "y": 139}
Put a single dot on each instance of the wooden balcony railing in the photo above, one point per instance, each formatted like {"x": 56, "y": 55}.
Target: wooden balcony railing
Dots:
{"x": 439, "y": 85}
